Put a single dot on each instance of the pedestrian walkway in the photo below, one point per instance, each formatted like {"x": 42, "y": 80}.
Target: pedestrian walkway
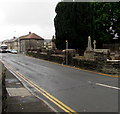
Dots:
{"x": 19, "y": 99}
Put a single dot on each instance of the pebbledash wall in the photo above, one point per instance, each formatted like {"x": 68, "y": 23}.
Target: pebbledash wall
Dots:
{"x": 102, "y": 66}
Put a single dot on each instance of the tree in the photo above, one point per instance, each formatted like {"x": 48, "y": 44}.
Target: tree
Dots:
{"x": 72, "y": 23}
{"x": 106, "y": 19}
{"x": 76, "y": 21}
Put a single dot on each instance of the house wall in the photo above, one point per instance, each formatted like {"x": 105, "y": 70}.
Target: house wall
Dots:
{"x": 49, "y": 45}
{"x": 12, "y": 44}
{"x": 30, "y": 44}
{"x": 15, "y": 45}
{"x": 22, "y": 46}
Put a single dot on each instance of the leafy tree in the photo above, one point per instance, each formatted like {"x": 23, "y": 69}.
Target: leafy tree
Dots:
{"x": 106, "y": 19}
{"x": 76, "y": 21}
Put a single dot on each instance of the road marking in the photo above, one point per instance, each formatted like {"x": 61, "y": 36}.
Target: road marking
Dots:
{"x": 43, "y": 92}
{"x": 108, "y": 86}
{"x": 116, "y": 76}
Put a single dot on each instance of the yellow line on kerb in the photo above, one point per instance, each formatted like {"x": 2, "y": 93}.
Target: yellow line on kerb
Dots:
{"x": 77, "y": 68}
{"x": 86, "y": 70}
{"x": 43, "y": 92}
{"x": 48, "y": 94}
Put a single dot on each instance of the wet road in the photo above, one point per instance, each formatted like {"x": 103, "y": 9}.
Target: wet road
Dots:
{"x": 80, "y": 90}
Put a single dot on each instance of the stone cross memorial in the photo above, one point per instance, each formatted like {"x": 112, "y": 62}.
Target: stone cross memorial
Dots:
{"x": 89, "y": 53}
{"x": 94, "y": 43}
{"x": 89, "y": 48}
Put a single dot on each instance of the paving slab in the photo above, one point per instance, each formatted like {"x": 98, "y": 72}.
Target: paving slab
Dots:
{"x": 26, "y": 104}
{"x": 18, "y": 92}
{"x": 19, "y": 99}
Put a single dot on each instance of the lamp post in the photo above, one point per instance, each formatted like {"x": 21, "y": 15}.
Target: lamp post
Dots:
{"x": 18, "y": 44}
{"x": 66, "y": 52}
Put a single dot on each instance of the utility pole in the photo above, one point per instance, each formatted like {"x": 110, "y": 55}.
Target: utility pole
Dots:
{"x": 18, "y": 43}
{"x": 66, "y": 52}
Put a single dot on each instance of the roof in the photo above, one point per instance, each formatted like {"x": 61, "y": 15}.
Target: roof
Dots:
{"x": 14, "y": 39}
{"x": 10, "y": 40}
{"x": 31, "y": 36}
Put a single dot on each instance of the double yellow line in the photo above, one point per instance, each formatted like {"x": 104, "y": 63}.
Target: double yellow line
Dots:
{"x": 43, "y": 92}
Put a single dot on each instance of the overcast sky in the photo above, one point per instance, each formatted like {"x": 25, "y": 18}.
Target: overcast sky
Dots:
{"x": 19, "y": 17}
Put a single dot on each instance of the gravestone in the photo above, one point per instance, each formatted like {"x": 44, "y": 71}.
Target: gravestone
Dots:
{"x": 94, "y": 43}
{"x": 89, "y": 47}
{"x": 104, "y": 51}
{"x": 89, "y": 53}
{"x": 102, "y": 54}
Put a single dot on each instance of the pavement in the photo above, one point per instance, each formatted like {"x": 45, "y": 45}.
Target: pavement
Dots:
{"x": 19, "y": 99}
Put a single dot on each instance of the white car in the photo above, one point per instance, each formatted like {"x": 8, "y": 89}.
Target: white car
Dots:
{"x": 9, "y": 50}
{"x": 14, "y": 51}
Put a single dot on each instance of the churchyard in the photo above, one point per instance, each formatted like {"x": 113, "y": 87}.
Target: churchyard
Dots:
{"x": 100, "y": 60}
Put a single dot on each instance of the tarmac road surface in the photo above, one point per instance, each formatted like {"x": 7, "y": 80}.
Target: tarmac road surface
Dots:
{"x": 70, "y": 89}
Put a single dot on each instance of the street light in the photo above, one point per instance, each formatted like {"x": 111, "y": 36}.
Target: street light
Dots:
{"x": 18, "y": 40}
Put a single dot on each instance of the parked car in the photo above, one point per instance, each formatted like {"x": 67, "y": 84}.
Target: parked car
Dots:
{"x": 9, "y": 51}
{"x": 14, "y": 51}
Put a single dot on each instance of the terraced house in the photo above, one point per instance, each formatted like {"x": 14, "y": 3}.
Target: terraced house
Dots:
{"x": 12, "y": 43}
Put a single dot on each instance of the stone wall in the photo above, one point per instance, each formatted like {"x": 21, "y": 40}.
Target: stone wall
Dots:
{"x": 113, "y": 47}
{"x": 3, "y": 95}
{"x": 99, "y": 66}
{"x": 111, "y": 67}
{"x": 0, "y": 87}
{"x": 85, "y": 64}
{"x": 47, "y": 56}
{"x": 31, "y": 44}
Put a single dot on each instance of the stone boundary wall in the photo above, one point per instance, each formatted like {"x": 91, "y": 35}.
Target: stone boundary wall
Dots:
{"x": 52, "y": 58}
{"x": 99, "y": 66}
{"x": 4, "y": 92}
{"x": 0, "y": 87}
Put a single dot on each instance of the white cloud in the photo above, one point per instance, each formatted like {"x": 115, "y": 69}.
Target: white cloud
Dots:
{"x": 23, "y": 16}
{"x": 30, "y": 1}
{"x": 8, "y": 32}
{"x": 2, "y": 17}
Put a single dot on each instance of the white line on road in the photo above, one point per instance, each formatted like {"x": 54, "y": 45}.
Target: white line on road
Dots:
{"x": 108, "y": 86}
